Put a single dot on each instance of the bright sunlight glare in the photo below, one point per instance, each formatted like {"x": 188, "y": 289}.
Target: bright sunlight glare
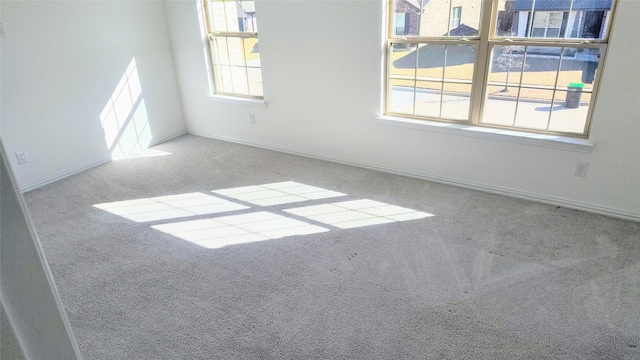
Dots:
{"x": 278, "y": 193}
{"x": 238, "y": 229}
{"x": 169, "y": 207}
{"x": 357, "y": 213}
{"x": 124, "y": 119}
{"x": 250, "y": 226}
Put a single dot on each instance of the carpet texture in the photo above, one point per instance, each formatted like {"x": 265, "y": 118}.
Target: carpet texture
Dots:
{"x": 485, "y": 277}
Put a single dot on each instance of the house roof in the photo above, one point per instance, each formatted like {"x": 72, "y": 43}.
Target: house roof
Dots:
{"x": 520, "y": 5}
{"x": 415, "y": 3}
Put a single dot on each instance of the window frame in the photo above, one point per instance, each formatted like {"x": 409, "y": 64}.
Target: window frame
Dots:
{"x": 484, "y": 42}
{"x": 212, "y": 37}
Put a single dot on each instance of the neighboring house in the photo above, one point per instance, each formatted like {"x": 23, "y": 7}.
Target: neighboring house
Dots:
{"x": 438, "y": 18}
{"x": 558, "y": 18}
{"x": 247, "y": 16}
{"x": 407, "y": 17}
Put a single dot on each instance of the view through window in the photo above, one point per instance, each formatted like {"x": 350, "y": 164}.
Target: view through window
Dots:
{"x": 232, "y": 30}
{"x": 518, "y": 64}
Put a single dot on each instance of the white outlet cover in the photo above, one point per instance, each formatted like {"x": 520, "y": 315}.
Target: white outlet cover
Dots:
{"x": 22, "y": 157}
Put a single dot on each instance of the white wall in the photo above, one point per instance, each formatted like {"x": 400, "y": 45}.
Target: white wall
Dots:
{"x": 61, "y": 63}
{"x": 322, "y": 80}
{"x": 32, "y": 313}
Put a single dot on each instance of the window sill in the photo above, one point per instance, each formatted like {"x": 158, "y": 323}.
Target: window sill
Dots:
{"x": 520, "y": 137}
{"x": 259, "y": 103}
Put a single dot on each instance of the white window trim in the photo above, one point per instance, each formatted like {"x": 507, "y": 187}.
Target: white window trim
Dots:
{"x": 257, "y": 103}
{"x": 506, "y": 135}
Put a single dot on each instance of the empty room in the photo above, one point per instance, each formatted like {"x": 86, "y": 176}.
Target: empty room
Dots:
{"x": 320, "y": 179}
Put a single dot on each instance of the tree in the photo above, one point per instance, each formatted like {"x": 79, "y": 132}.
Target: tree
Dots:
{"x": 512, "y": 57}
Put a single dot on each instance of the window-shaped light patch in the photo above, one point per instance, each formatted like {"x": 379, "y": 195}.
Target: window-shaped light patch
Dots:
{"x": 238, "y": 229}
{"x": 357, "y": 213}
{"x": 278, "y": 193}
{"x": 170, "y": 207}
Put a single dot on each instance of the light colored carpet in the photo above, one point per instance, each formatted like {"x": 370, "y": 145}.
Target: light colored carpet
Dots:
{"x": 485, "y": 277}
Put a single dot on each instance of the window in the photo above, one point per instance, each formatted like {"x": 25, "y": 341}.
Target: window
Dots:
{"x": 456, "y": 13}
{"x": 400, "y": 24}
{"x": 546, "y": 24}
{"x": 233, "y": 43}
{"x": 502, "y": 67}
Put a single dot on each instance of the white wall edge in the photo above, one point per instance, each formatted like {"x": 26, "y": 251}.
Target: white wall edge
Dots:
{"x": 87, "y": 166}
{"x": 512, "y": 136}
{"x": 549, "y": 200}
{"x": 37, "y": 246}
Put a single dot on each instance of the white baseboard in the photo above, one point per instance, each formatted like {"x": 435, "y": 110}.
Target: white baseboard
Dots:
{"x": 85, "y": 167}
{"x": 157, "y": 141}
{"x": 545, "y": 199}
{"x": 62, "y": 175}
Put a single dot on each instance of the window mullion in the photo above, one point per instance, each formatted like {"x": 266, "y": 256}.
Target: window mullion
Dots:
{"x": 481, "y": 68}
{"x": 415, "y": 78}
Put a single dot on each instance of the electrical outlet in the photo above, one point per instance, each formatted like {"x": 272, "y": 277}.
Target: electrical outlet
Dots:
{"x": 581, "y": 169}
{"x": 252, "y": 119}
{"x": 22, "y": 157}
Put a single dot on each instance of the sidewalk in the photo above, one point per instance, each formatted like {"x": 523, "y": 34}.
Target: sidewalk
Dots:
{"x": 530, "y": 114}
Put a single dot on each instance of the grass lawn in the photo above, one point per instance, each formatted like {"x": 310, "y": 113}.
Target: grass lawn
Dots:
{"x": 497, "y": 78}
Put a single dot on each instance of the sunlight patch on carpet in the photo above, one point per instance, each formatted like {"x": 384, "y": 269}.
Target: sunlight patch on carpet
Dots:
{"x": 278, "y": 193}
{"x": 238, "y": 229}
{"x": 169, "y": 207}
{"x": 357, "y": 213}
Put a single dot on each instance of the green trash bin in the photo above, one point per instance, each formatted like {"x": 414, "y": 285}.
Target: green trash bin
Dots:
{"x": 574, "y": 95}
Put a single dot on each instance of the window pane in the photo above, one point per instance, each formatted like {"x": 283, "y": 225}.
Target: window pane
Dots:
{"x": 431, "y": 60}
{"x": 460, "y": 61}
{"x": 255, "y": 81}
{"x": 220, "y": 55}
{"x": 428, "y": 98}
{"x": 223, "y": 81}
{"x": 239, "y": 78}
{"x": 565, "y": 116}
{"x": 534, "y": 107}
{"x": 506, "y": 66}
{"x": 232, "y": 16}
{"x": 500, "y": 105}
{"x": 235, "y": 49}
{"x": 439, "y": 16}
{"x": 406, "y": 18}
{"x": 579, "y": 66}
{"x": 541, "y": 66}
{"x": 251, "y": 52}
{"x": 553, "y": 18}
{"x": 403, "y": 60}
{"x": 456, "y": 100}
{"x": 401, "y": 96}
{"x": 437, "y": 62}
